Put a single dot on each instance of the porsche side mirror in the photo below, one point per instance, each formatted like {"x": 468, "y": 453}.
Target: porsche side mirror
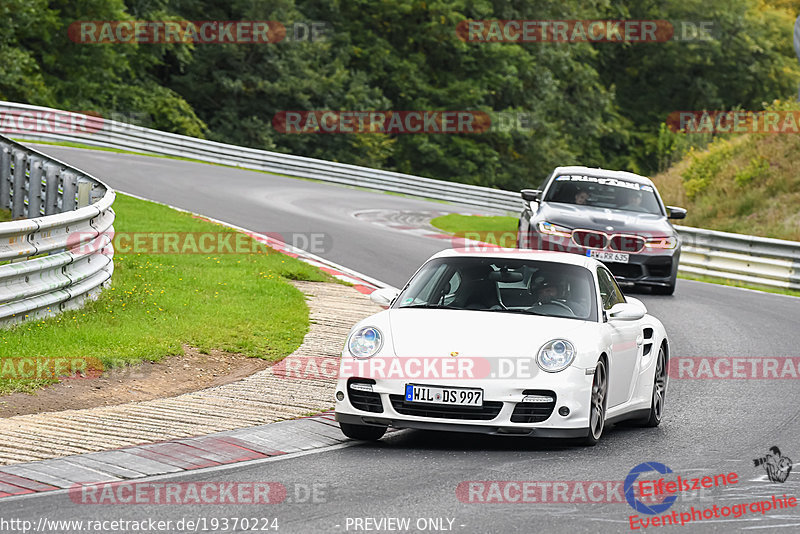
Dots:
{"x": 625, "y": 311}
{"x": 531, "y": 195}
{"x": 636, "y": 301}
{"x": 384, "y": 296}
{"x": 676, "y": 212}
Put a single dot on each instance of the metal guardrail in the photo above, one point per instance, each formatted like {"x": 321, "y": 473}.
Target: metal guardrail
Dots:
{"x": 755, "y": 260}
{"x": 57, "y": 251}
{"x": 101, "y": 132}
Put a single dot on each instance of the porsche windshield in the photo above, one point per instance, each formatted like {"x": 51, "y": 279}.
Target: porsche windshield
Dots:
{"x": 503, "y": 286}
{"x": 604, "y": 193}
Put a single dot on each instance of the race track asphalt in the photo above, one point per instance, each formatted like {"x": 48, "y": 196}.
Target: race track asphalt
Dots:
{"x": 710, "y": 426}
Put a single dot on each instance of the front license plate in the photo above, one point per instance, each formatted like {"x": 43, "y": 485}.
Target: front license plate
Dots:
{"x": 452, "y": 396}
{"x": 616, "y": 257}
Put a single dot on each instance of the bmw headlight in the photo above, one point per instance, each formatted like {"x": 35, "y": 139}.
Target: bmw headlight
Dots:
{"x": 554, "y": 229}
{"x": 365, "y": 342}
{"x": 555, "y": 355}
{"x": 665, "y": 242}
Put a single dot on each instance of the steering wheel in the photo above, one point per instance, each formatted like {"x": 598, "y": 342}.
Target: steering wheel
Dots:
{"x": 555, "y": 303}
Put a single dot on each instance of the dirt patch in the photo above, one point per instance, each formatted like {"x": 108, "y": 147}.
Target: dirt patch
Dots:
{"x": 171, "y": 376}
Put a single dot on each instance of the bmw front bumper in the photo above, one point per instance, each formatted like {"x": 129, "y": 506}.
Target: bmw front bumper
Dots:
{"x": 651, "y": 267}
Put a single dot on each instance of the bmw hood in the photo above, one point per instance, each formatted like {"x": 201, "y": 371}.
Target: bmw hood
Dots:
{"x": 487, "y": 334}
{"x": 603, "y": 219}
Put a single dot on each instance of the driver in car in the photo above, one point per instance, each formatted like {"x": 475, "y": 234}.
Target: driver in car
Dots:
{"x": 546, "y": 292}
{"x": 558, "y": 292}
{"x": 631, "y": 201}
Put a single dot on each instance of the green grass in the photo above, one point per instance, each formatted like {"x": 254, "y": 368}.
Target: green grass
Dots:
{"x": 82, "y": 145}
{"x": 497, "y": 230}
{"x": 5, "y": 215}
{"x": 745, "y": 184}
{"x": 158, "y": 302}
{"x": 737, "y": 283}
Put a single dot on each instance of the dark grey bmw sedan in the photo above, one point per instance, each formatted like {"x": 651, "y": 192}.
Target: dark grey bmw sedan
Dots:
{"x": 614, "y": 216}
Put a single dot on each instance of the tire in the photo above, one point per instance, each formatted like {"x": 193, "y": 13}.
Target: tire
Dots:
{"x": 362, "y": 432}
{"x": 659, "y": 390}
{"x": 597, "y": 405}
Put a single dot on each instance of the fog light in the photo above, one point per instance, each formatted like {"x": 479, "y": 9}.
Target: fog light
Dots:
{"x": 563, "y": 411}
{"x": 537, "y": 398}
{"x": 339, "y": 396}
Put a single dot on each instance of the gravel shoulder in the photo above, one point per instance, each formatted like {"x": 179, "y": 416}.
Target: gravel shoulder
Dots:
{"x": 260, "y": 398}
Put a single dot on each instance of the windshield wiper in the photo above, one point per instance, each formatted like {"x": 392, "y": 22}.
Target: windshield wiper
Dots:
{"x": 526, "y": 312}
{"x": 427, "y": 307}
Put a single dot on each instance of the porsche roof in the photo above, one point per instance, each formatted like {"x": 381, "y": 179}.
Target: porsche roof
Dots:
{"x": 485, "y": 251}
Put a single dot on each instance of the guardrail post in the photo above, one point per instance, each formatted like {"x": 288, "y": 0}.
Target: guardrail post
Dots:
{"x": 51, "y": 190}
{"x": 84, "y": 188}
{"x": 35, "y": 189}
{"x": 18, "y": 186}
{"x": 5, "y": 176}
{"x": 68, "y": 191}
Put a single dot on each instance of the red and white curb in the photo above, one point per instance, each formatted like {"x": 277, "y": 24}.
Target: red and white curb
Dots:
{"x": 174, "y": 456}
{"x": 417, "y": 223}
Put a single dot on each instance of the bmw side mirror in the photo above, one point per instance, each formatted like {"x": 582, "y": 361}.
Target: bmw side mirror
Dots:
{"x": 384, "y": 296}
{"x": 676, "y": 212}
{"x": 625, "y": 311}
{"x": 531, "y": 195}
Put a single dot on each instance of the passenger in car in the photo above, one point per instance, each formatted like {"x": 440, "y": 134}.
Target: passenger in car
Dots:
{"x": 581, "y": 197}
{"x": 483, "y": 296}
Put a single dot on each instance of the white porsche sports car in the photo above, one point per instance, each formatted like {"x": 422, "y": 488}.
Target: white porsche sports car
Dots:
{"x": 506, "y": 341}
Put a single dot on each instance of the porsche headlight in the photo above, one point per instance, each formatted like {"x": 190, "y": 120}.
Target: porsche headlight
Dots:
{"x": 365, "y": 342}
{"x": 555, "y": 355}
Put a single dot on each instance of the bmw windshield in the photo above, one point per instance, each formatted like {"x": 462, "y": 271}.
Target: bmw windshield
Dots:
{"x": 503, "y": 285}
{"x": 608, "y": 193}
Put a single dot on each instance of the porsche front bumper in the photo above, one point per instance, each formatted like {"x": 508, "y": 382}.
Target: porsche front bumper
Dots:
{"x": 503, "y": 411}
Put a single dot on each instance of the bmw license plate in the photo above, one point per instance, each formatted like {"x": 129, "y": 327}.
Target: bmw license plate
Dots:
{"x": 437, "y": 395}
{"x": 604, "y": 255}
